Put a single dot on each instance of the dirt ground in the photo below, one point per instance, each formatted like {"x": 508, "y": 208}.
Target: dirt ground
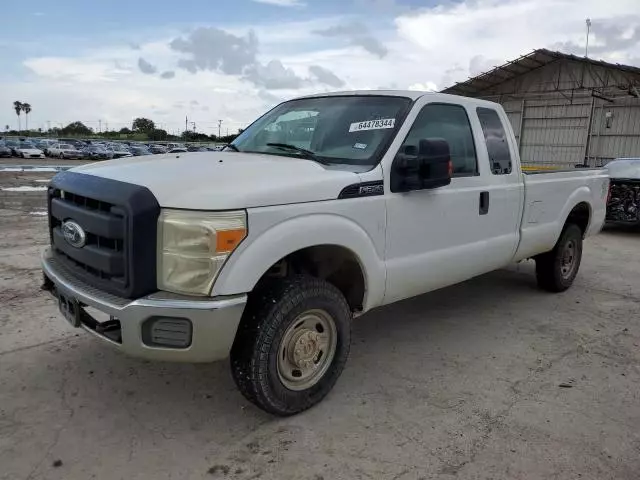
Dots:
{"x": 490, "y": 379}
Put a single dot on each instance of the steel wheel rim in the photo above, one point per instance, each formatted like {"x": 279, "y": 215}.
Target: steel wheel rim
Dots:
{"x": 307, "y": 349}
{"x": 568, "y": 259}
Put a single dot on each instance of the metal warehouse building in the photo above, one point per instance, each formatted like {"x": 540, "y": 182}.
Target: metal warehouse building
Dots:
{"x": 565, "y": 110}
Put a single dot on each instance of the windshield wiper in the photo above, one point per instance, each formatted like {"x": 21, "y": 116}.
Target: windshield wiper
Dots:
{"x": 306, "y": 153}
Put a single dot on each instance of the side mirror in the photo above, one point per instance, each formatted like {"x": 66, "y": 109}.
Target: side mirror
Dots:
{"x": 428, "y": 167}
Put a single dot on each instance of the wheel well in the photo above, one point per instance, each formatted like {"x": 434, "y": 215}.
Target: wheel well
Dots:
{"x": 335, "y": 264}
{"x": 580, "y": 216}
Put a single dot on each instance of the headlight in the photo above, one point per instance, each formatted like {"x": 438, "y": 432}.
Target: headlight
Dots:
{"x": 193, "y": 246}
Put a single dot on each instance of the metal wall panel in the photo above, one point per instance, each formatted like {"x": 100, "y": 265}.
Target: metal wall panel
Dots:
{"x": 617, "y": 136}
{"x": 557, "y": 121}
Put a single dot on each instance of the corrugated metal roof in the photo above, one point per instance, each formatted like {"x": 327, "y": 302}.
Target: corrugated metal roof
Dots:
{"x": 525, "y": 64}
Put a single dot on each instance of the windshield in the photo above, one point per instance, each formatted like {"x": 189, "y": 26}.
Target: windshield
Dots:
{"x": 353, "y": 130}
{"x": 67, "y": 146}
{"x": 26, "y": 145}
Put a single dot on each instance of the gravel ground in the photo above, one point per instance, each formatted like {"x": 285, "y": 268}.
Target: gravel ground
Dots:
{"x": 40, "y": 161}
{"x": 490, "y": 379}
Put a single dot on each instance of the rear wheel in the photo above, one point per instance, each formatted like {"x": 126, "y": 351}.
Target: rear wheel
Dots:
{"x": 292, "y": 344}
{"x": 557, "y": 269}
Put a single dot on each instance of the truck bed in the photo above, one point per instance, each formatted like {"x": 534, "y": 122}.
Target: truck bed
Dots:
{"x": 549, "y": 198}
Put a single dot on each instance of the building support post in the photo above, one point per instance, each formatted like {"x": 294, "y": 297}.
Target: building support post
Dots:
{"x": 589, "y": 126}
{"x": 520, "y": 127}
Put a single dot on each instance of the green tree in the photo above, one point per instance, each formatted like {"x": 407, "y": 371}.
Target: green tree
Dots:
{"x": 125, "y": 131}
{"x": 26, "y": 108}
{"x": 76, "y": 128}
{"x": 143, "y": 125}
{"x": 157, "y": 134}
{"x": 17, "y": 106}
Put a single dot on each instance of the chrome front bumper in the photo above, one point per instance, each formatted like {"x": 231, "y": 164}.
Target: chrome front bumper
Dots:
{"x": 214, "y": 321}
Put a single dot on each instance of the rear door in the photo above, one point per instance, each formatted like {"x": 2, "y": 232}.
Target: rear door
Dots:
{"x": 445, "y": 235}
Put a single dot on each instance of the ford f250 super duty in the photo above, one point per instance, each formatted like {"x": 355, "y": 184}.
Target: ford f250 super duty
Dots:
{"x": 322, "y": 209}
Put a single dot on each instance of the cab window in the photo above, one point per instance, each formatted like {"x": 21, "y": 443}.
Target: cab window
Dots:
{"x": 451, "y": 123}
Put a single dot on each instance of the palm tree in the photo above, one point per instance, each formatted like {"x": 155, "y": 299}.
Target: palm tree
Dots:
{"x": 26, "y": 108}
{"x": 17, "y": 106}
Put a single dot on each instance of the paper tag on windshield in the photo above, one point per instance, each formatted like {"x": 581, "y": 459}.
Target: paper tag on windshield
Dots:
{"x": 372, "y": 125}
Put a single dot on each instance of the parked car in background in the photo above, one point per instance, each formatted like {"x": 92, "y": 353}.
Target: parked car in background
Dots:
{"x": 96, "y": 152}
{"x": 119, "y": 151}
{"x": 5, "y": 151}
{"x": 158, "y": 149}
{"x": 13, "y": 146}
{"x": 65, "y": 150}
{"x": 43, "y": 144}
{"x": 623, "y": 205}
{"x": 178, "y": 150}
{"x": 27, "y": 149}
{"x": 79, "y": 144}
{"x": 171, "y": 146}
{"x": 139, "y": 151}
{"x": 197, "y": 148}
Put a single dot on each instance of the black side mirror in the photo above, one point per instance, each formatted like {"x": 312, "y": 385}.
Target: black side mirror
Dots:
{"x": 429, "y": 167}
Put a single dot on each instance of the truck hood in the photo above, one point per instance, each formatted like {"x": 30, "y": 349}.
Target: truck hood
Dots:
{"x": 226, "y": 180}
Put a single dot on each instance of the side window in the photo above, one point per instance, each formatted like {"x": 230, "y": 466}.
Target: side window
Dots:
{"x": 450, "y": 123}
{"x": 496, "y": 139}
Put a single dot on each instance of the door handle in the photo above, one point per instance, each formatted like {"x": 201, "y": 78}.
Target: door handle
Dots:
{"x": 484, "y": 203}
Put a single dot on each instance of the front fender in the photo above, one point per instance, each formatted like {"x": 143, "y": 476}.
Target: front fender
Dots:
{"x": 256, "y": 255}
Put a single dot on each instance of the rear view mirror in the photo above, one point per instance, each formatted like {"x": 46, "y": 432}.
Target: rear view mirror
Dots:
{"x": 428, "y": 167}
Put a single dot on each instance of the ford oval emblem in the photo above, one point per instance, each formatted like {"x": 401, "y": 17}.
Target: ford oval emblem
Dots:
{"x": 74, "y": 234}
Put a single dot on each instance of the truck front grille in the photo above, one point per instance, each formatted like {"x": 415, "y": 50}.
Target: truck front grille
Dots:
{"x": 119, "y": 221}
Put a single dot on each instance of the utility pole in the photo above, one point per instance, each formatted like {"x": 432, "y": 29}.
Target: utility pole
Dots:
{"x": 219, "y": 127}
{"x": 100, "y": 126}
{"x": 194, "y": 126}
{"x": 49, "y": 127}
{"x": 186, "y": 123}
{"x": 586, "y": 48}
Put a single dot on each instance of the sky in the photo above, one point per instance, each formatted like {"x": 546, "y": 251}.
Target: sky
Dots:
{"x": 106, "y": 63}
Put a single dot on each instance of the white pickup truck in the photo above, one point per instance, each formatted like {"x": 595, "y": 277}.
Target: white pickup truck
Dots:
{"x": 324, "y": 208}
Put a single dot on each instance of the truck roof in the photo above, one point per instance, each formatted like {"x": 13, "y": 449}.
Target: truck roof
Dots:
{"x": 412, "y": 94}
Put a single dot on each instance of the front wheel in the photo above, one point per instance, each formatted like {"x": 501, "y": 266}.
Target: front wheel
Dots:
{"x": 557, "y": 269}
{"x": 292, "y": 344}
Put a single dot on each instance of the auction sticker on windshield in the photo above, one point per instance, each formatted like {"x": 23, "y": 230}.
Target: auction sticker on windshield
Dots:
{"x": 372, "y": 125}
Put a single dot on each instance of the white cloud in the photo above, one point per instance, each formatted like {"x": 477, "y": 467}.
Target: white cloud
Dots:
{"x": 453, "y": 36}
{"x": 424, "y": 87}
{"x": 428, "y": 48}
{"x": 146, "y": 67}
{"x": 282, "y": 3}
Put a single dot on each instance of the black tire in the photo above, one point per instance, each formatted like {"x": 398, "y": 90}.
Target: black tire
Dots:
{"x": 552, "y": 271}
{"x": 270, "y": 313}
